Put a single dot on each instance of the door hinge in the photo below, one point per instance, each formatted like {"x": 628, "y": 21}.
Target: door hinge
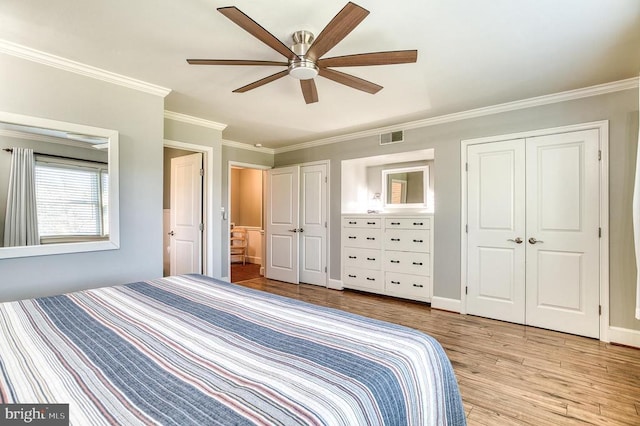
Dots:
{"x": 325, "y": 179}
{"x": 599, "y": 155}
{"x": 325, "y": 224}
{"x": 466, "y": 229}
{"x": 599, "y": 232}
{"x": 325, "y": 269}
{"x": 599, "y": 309}
{"x": 201, "y": 227}
{"x": 466, "y": 290}
{"x": 466, "y": 167}
{"x": 201, "y": 172}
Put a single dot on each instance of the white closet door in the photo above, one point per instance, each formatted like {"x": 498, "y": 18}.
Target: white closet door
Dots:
{"x": 186, "y": 215}
{"x": 282, "y": 224}
{"x": 562, "y": 232}
{"x": 313, "y": 235}
{"x": 496, "y": 222}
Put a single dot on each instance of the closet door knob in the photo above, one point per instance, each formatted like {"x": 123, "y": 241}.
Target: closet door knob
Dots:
{"x": 517, "y": 240}
{"x": 172, "y": 233}
{"x": 533, "y": 241}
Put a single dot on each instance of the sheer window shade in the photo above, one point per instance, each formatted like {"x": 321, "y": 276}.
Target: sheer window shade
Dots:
{"x": 72, "y": 201}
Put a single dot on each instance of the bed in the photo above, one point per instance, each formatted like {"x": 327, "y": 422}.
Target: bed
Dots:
{"x": 193, "y": 350}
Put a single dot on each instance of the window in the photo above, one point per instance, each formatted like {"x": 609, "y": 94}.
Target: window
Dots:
{"x": 72, "y": 200}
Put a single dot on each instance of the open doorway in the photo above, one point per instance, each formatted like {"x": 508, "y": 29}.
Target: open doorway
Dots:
{"x": 246, "y": 221}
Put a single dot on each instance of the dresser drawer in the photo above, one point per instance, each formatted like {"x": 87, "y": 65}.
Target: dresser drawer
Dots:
{"x": 362, "y": 258}
{"x": 361, "y": 238}
{"x": 361, "y": 222}
{"x": 363, "y": 278}
{"x": 407, "y": 223}
{"x": 407, "y": 240}
{"x": 407, "y": 262}
{"x": 407, "y": 285}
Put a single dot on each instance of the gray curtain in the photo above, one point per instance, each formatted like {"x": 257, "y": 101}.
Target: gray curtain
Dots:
{"x": 21, "y": 222}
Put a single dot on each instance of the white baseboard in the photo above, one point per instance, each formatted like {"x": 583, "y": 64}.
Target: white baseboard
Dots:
{"x": 335, "y": 284}
{"x": 445, "y": 304}
{"x": 624, "y": 336}
{"x": 225, "y": 279}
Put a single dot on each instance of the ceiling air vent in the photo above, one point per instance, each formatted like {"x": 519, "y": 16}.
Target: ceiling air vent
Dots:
{"x": 393, "y": 137}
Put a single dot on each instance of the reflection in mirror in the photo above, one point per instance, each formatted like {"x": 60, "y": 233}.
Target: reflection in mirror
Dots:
{"x": 405, "y": 187}
{"x": 58, "y": 187}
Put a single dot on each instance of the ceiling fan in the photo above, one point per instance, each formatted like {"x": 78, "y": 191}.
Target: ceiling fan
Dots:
{"x": 305, "y": 55}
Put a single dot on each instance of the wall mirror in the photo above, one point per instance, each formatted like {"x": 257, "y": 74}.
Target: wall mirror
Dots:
{"x": 58, "y": 187}
{"x": 405, "y": 187}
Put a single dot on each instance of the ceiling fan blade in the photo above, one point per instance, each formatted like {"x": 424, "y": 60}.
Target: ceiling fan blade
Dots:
{"x": 309, "y": 91}
{"x": 233, "y": 62}
{"x": 339, "y": 27}
{"x": 256, "y": 30}
{"x": 261, "y": 82}
{"x": 365, "y": 59}
{"x": 350, "y": 80}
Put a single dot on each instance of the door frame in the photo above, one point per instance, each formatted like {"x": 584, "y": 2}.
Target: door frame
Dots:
{"x": 230, "y": 165}
{"x": 603, "y": 132}
{"x": 208, "y": 242}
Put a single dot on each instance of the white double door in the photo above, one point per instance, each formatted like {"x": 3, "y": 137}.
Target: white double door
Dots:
{"x": 533, "y": 231}
{"x": 296, "y": 231}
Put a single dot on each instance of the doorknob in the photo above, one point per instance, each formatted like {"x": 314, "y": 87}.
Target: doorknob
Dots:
{"x": 533, "y": 241}
{"x": 293, "y": 230}
{"x": 518, "y": 240}
{"x": 172, "y": 233}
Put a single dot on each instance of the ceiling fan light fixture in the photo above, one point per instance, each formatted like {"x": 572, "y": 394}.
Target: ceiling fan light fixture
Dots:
{"x": 303, "y": 69}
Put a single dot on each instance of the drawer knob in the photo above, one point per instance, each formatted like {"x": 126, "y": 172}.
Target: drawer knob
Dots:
{"x": 371, "y": 258}
{"x": 418, "y": 241}
{"x": 395, "y": 282}
{"x": 371, "y": 223}
{"x": 395, "y": 261}
{"x": 353, "y": 257}
{"x": 351, "y": 276}
{"x": 418, "y": 285}
{"x": 418, "y": 223}
{"x": 370, "y": 238}
{"x": 370, "y": 279}
{"x": 395, "y": 223}
{"x": 352, "y": 222}
{"x": 417, "y": 263}
{"x": 351, "y": 237}
{"x": 395, "y": 239}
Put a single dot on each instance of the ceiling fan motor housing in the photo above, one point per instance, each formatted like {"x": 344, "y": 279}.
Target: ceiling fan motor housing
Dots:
{"x": 303, "y": 68}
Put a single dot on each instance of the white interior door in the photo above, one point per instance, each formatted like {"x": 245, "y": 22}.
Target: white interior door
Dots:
{"x": 563, "y": 282}
{"x": 496, "y": 230}
{"x": 313, "y": 216}
{"x": 186, "y": 215}
{"x": 282, "y": 224}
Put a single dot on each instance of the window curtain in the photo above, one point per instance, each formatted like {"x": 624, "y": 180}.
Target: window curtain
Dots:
{"x": 21, "y": 221}
{"x": 636, "y": 219}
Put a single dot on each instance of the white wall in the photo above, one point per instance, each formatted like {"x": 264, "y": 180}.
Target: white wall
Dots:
{"x": 32, "y": 89}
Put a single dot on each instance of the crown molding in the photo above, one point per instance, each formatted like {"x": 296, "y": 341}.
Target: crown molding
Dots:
{"x": 248, "y": 147}
{"x": 44, "y": 58}
{"x": 171, "y": 115}
{"x": 568, "y": 95}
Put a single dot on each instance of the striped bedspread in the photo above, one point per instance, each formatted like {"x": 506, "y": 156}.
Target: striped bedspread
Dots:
{"x": 192, "y": 350}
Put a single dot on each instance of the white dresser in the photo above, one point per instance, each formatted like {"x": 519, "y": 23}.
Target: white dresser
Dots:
{"x": 388, "y": 254}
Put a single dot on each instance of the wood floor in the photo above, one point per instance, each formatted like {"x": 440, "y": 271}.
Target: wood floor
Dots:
{"x": 508, "y": 374}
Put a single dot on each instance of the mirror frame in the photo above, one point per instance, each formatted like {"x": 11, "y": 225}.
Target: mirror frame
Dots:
{"x": 113, "y": 242}
{"x": 425, "y": 187}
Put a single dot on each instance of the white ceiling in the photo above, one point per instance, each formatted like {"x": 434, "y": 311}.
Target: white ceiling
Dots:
{"x": 471, "y": 54}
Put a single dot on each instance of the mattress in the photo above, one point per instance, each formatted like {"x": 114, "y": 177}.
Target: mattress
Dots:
{"x": 193, "y": 350}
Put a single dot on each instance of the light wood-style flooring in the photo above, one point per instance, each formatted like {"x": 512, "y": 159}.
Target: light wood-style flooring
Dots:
{"x": 508, "y": 374}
